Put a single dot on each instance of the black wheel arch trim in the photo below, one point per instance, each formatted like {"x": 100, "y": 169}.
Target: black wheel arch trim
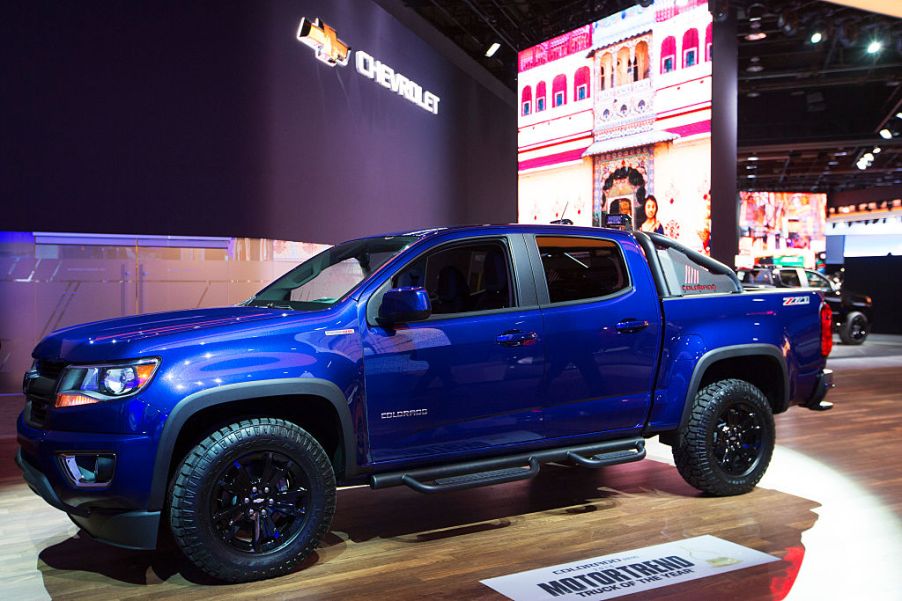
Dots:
{"x": 731, "y": 352}
{"x": 242, "y": 391}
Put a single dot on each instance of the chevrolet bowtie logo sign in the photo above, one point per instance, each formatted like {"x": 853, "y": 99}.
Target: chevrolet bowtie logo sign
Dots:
{"x": 332, "y": 51}
{"x": 324, "y": 42}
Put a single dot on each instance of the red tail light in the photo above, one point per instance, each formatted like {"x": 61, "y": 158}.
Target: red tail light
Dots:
{"x": 826, "y": 329}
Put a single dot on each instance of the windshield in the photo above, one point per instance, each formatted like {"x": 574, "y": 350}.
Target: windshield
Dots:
{"x": 326, "y": 278}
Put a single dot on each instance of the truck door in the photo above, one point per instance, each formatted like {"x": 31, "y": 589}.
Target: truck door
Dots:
{"x": 467, "y": 378}
{"x": 602, "y": 334}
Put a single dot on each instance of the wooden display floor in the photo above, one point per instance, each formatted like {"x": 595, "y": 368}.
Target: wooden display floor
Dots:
{"x": 833, "y": 494}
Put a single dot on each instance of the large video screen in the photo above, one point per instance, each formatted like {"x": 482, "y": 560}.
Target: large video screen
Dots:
{"x": 615, "y": 116}
{"x": 789, "y": 227}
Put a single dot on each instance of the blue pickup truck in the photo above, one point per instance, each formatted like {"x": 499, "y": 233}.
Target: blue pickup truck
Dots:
{"x": 440, "y": 360}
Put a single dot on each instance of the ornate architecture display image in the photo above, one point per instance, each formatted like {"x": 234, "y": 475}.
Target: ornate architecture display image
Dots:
{"x": 616, "y": 117}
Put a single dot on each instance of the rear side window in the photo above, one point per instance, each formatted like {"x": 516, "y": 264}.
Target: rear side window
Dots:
{"x": 686, "y": 277}
{"x": 581, "y": 268}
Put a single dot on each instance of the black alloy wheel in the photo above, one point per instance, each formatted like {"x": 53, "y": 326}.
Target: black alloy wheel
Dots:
{"x": 260, "y": 502}
{"x": 252, "y": 499}
{"x": 727, "y": 443}
{"x": 737, "y": 439}
{"x": 855, "y": 329}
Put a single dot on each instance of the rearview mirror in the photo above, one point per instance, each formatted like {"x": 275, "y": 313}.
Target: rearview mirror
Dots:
{"x": 403, "y": 305}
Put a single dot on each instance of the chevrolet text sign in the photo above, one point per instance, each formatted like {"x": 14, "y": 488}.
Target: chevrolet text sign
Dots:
{"x": 333, "y": 51}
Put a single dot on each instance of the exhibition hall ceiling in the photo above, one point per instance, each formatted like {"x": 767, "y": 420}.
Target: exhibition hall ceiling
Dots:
{"x": 811, "y": 112}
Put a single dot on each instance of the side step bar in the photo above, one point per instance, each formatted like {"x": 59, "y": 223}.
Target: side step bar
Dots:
{"x": 498, "y": 470}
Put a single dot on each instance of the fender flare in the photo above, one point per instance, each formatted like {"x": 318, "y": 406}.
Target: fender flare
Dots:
{"x": 731, "y": 352}
{"x": 204, "y": 399}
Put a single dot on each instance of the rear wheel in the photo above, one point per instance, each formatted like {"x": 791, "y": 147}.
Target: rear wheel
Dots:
{"x": 854, "y": 329}
{"x": 252, "y": 500}
{"x": 727, "y": 444}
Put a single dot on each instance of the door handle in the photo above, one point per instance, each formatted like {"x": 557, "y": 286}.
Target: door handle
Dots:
{"x": 517, "y": 338}
{"x": 630, "y": 325}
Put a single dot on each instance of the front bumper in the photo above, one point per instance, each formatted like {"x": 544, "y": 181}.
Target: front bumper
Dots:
{"x": 113, "y": 514}
{"x": 128, "y": 529}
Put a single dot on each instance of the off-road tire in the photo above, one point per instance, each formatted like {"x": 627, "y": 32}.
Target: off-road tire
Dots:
{"x": 854, "y": 329}
{"x": 695, "y": 451}
{"x": 195, "y": 479}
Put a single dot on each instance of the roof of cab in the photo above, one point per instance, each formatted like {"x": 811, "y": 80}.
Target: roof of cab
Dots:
{"x": 521, "y": 228}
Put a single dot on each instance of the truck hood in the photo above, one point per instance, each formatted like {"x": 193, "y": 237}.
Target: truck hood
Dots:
{"x": 128, "y": 337}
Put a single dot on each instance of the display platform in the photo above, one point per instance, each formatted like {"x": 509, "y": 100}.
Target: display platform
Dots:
{"x": 828, "y": 508}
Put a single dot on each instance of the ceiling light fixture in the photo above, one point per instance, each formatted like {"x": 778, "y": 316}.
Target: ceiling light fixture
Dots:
{"x": 874, "y": 47}
{"x": 816, "y": 37}
{"x": 886, "y": 134}
{"x": 756, "y": 65}
{"x": 492, "y": 50}
{"x": 876, "y": 150}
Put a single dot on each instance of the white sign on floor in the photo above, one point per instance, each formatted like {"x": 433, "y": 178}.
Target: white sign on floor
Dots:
{"x": 630, "y": 572}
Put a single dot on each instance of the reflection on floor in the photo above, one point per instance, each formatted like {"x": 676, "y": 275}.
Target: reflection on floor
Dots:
{"x": 829, "y": 508}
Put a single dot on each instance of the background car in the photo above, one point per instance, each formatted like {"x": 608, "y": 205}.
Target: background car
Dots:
{"x": 851, "y": 310}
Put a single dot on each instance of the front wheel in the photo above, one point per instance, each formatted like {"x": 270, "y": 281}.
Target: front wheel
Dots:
{"x": 252, "y": 500}
{"x": 727, "y": 444}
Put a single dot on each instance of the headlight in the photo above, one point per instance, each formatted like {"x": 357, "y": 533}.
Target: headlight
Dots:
{"x": 86, "y": 384}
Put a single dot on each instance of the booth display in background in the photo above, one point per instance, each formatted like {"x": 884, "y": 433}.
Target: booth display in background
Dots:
{"x": 787, "y": 228}
{"x": 616, "y": 117}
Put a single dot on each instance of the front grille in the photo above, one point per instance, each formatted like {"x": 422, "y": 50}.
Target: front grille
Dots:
{"x": 38, "y": 412}
{"x": 40, "y": 391}
{"x": 50, "y": 369}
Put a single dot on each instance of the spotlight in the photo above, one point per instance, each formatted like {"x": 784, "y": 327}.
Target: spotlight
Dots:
{"x": 755, "y": 36}
{"x": 868, "y": 157}
{"x": 492, "y": 50}
{"x": 886, "y": 134}
{"x": 874, "y": 47}
{"x": 816, "y": 37}
{"x": 753, "y": 158}
{"x": 861, "y": 164}
{"x": 898, "y": 115}
{"x": 876, "y": 150}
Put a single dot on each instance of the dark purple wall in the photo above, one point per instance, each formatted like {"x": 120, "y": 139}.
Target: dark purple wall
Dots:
{"x": 210, "y": 118}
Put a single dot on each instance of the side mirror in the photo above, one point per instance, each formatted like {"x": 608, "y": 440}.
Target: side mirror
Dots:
{"x": 403, "y": 305}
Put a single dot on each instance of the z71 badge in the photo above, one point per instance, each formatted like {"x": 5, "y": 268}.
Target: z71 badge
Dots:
{"x": 796, "y": 300}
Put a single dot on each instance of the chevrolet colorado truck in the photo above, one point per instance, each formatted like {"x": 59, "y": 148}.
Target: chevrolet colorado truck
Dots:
{"x": 439, "y": 360}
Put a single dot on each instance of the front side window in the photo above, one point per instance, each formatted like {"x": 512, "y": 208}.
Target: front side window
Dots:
{"x": 816, "y": 280}
{"x": 581, "y": 92}
{"x": 581, "y": 268}
{"x": 540, "y": 103}
{"x": 686, "y": 277}
{"x": 462, "y": 278}
{"x": 326, "y": 278}
{"x": 526, "y": 108}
